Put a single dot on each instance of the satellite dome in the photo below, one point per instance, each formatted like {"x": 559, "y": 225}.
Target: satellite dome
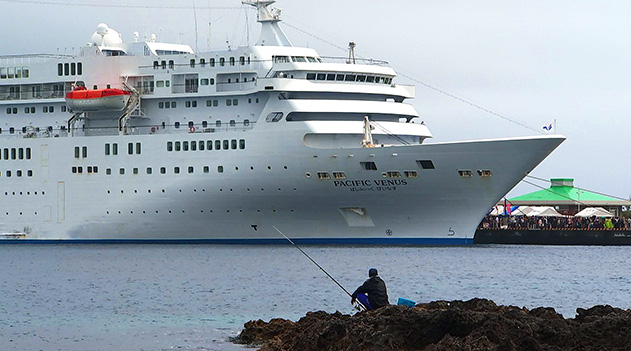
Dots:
{"x": 106, "y": 36}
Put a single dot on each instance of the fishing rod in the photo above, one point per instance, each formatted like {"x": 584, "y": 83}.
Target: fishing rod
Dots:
{"x": 316, "y": 263}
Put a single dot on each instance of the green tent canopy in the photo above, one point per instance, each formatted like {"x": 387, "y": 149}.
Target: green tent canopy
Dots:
{"x": 563, "y": 192}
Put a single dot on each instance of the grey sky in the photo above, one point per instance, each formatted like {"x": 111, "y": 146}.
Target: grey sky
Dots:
{"x": 532, "y": 61}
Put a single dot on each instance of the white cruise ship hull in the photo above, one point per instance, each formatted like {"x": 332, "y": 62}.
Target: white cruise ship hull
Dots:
{"x": 261, "y": 186}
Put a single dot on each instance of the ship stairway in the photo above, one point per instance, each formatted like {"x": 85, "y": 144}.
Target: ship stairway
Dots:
{"x": 72, "y": 120}
{"x": 131, "y": 110}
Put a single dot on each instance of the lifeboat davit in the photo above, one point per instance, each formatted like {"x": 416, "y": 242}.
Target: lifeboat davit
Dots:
{"x": 83, "y": 99}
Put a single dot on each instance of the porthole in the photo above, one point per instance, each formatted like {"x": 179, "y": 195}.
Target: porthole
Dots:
{"x": 308, "y": 175}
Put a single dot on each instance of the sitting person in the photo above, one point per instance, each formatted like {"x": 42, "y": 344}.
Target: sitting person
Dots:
{"x": 372, "y": 294}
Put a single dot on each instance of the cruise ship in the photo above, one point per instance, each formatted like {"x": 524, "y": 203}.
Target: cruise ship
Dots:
{"x": 145, "y": 141}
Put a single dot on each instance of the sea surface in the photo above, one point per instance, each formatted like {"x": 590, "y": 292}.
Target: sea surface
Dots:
{"x": 194, "y": 297}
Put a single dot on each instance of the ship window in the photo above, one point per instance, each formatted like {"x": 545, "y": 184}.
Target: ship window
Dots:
{"x": 204, "y": 124}
{"x": 163, "y": 170}
{"x": 339, "y": 77}
{"x": 63, "y": 108}
{"x": 465, "y": 173}
{"x": 108, "y": 171}
{"x": 369, "y": 166}
{"x": 8, "y": 173}
{"x": 215, "y": 103}
{"x": 178, "y": 146}
{"x": 242, "y": 60}
{"x": 177, "y": 125}
{"x": 73, "y": 69}
{"x": 206, "y": 169}
{"x": 60, "y": 70}
{"x": 246, "y": 122}
{"x": 176, "y": 170}
{"x": 79, "y": 68}
{"x": 160, "y": 84}
{"x": 185, "y": 145}
{"x": 29, "y": 173}
{"x": 274, "y": 117}
{"x": 235, "y": 102}
{"x": 217, "y": 145}
{"x": 121, "y": 171}
{"x": 191, "y": 169}
{"x": 233, "y": 144}
{"x": 209, "y": 103}
{"x": 222, "y": 61}
{"x": 135, "y": 170}
{"x": 13, "y": 154}
{"x": 392, "y": 174}
{"x": 320, "y": 76}
{"x": 193, "y": 145}
{"x": 171, "y": 64}
{"x": 155, "y": 64}
{"x": 192, "y": 63}
{"x": 173, "y": 104}
{"x": 311, "y": 76}
{"x": 485, "y": 173}
{"x": 233, "y": 123}
{"x": 330, "y": 76}
{"x": 426, "y": 164}
{"x": 21, "y": 153}
{"x": 169, "y": 146}
{"x": 187, "y": 104}
{"x": 220, "y": 169}
{"x": 115, "y": 149}
{"x": 76, "y": 152}
{"x": 149, "y": 170}
{"x": 212, "y": 62}
{"x": 339, "y": 175}
{"x": 298, "y": 59}
{"x": 202, "y": 62}
{"x": 163, "y": 64}
{"x": 411, "y": 174}
{"x": 228, "y": 102}
{"x": 18, "y": 173}
{"x": 74, "y": 169}
{"x": 66, "y": 69}
{"x": 130, "y": 148}
{"x": 212, "y": 81}
{"x": 281, "y": 59}
{"x": 350, "y": 78}
{"x": 241, "y": 144}
{"x": 160, "y": 104}
{"x": 138, "y": 149}
{"x": 361, "y": 78}
{"x": 203, "y": 81}
{"x": 28, "y": 153}
{"x": 201, "y": 145}
{"x": 324, "y": 175}
{"x": 12, "y": 129}
{"x": 232, "y": 61}
{"x": 226, "y": 145}
{"x": 6, "y": 154}
{"x": 370, "y": 79}
{"x": 89, "y": 169}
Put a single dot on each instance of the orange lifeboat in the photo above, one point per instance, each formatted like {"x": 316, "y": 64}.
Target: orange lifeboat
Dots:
{"x": 82, "y": 99}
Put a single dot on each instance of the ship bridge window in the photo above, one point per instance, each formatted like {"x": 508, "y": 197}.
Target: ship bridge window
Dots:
{"x": 392, "y": 174}
{"x": 411, "y": 174}
{"x": 361, "y": 78}
{"x": 370, "y": 79}
{"x": 298, "y": 59}
{"x": 274, "y": 117}
{"x": 311, "y": 59}
{"x": 321, "y": 76}
{"x": 311, "y": 76}
{"x": 281, "y": 59}
{"x": 350, "y": 77}
{"x": 203, "y": 81}
{"x": 369, "y": 166}
{"x": 339, "y": 77}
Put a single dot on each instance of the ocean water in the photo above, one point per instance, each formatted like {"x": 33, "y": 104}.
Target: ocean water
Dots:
{"x": 194, "y": 297}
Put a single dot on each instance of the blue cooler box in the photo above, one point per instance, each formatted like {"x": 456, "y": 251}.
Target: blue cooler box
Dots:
{"x": 406, "y": 302}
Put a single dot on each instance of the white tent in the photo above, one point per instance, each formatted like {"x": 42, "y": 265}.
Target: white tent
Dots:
{"x": 536, "y": 211}
{"x": 594, "y": 211}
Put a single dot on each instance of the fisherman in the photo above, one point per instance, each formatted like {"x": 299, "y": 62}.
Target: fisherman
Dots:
{"x": 375, "y": 288}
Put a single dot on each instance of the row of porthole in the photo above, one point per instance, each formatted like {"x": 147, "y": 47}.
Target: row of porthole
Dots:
{"x": 21, "y": 213}
{"x": 163, "y": 170}
{"x": 194, "y": 190}
{"x": 18, "y": 173}
{"x": 183, "y": 211}
{"x": 21, "y": 193}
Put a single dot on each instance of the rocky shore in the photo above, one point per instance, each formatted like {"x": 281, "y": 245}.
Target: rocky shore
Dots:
{"x": 477, "y": 324}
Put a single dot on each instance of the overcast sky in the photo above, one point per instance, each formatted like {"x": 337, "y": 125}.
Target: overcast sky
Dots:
{"x": 529, "y": 61}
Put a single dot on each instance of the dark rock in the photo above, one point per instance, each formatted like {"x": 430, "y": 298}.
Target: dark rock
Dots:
{"x": 477, "y": 324}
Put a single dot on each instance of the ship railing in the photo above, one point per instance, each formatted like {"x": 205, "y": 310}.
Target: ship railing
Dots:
{"x": 358, "y": 61}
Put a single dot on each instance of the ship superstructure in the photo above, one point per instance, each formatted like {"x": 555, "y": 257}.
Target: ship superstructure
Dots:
{"x": 153, "y": 141}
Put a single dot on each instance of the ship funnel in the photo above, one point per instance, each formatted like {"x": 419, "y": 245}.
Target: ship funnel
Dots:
{"x": 271, "y": 33}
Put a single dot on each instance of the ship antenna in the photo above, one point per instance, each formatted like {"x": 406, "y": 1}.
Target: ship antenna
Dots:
{"x": 195, "y": 15}
{"x": 351, "y": 52}
{"x": 316, "y": 263}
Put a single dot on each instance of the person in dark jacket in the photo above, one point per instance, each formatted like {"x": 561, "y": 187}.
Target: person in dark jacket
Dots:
{"x": 372, "y": 294}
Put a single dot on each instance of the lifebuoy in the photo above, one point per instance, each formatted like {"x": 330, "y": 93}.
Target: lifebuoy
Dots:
{"x": 192, "y": 129}
{"x": 153, "y": 129}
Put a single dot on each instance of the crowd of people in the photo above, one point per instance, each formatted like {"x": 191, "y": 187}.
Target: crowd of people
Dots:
{"x": 548, "y": 222}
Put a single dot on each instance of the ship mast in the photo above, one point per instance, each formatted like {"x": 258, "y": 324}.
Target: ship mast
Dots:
{"x": 271, "y": 33}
